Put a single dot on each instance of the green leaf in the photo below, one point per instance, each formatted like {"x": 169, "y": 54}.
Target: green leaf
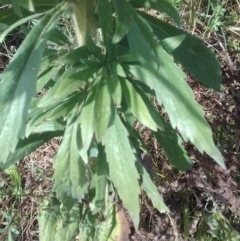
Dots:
{"x": 18, "y": 84}
{"x": 92, "y": 48}
{"x": 14, "y": 174}
{"x": 122, "y": 170}
{"x": 195, "y": 58}
{"x": 58, "y": 37}
{"x": 170, "y": 142}
{"x": 114, "y": 87}
{"x": 45, "y": 78}
{"x": 105, "y": 227}
{"x": 162, "y": 6}
{"x": 105, "y": 21}
{"x": 140, "y": 106}
{"x": 119, "y": 70}
{"x": 97, "y": 203}
{"x": 39, "y": 115}
{"x": 72, "y": 80}
{"x": 151, "y": 190}
{"x": 88, "y": 226}
{"x": 16, "y": 7}
{"x": 45, "y": 3}
{"x": 100, "y": 181}
{"x": 47, "y": 219}
{"x": 28, "y": 4}
{"x": 70, "y": 179}
{"x": 18, "y": 23}
{"x": 161, "y": 74}
{"x": 7, "y": 18}
{"x": 123, "y": 19}
{"x": 87, "y": 124}
{"x": 68, "y": 225}
{"x": 49, "y": 126}
{"x": 28, "y": 145}
{"x": 75, "y": 55}
{"x": 102, "y": 109}
{"x": 50, "y": 59}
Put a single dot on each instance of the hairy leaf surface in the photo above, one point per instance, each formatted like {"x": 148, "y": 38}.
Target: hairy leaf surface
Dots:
{"x": 114, "y": 86}
{"x": 170, "y": 141}
{"x": 72, "y": 80}
{"x": 141, "y": 107}
{"x": 196, "y": 58}
{"x": 70, "y": 177}
{"x": 161, "y": 6}
{"x": 47, "y": 218}
{"x": 122, "y": 170}
{"x": 151, "y": 190}
{"x": 18, "y": 84}
{"x": 123, "y": 20}
{"x": 105, "y": 21}
{"x": 166, "y": 78}
{"x": 28, "y": 145}
{"x": 87, "y": 124}
{"x": 102, "y": 109}
{"x": 68, "y": 225}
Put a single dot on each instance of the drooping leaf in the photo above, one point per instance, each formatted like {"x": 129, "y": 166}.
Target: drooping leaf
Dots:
{"x": 105, "y": 21}
{"x": 52, "y": 112}
{"x": 196, "y": 58}
{"x": 102, "y": 109}
{"x": 58, "y": 37}
{"x": 167, "y": 79}
{"x": 72, "y": 80}
{"x": 87, "y": 124}
{"x": 93, "y": 48}
{"x": 28, "y": 145}
{"x": 88, "y": 226}
{"x": 101, "y": 182}
{"x": 75, "y": 55}
{"x": 70, "y": 177}
{"x": 151, "y": 190}
{"x": 49, "y": 126}
{"x": 18, "y": 84}
{"x": 28, "y": 4}
{"x": 68, "y": 225}
{"x": 45, "y": 78}
{"x": 105, "y": 227}
{"x": 123, "y": 19}
{"x": 97, "y": 203}
{"x": 140, "y": 106}
{"x": 50, "y": 58}
{"x": 170, "y": 141}
{"x": 48, "y": 218}
{"x": 115, "y": 88}
{"x": 8, "y": 17}
{"x": 18, "y": 23}
{"x": 118, "y": 69}
{"x": 16, "y": 7}
{"x": 122, "y": 170}
{"x": 162, "y": 6}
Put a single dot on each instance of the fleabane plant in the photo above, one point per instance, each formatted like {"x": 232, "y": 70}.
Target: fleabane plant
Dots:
{"x": 94, "y": 91}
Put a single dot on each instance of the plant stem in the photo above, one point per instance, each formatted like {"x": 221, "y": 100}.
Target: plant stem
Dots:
{"x": 83, "y": 20}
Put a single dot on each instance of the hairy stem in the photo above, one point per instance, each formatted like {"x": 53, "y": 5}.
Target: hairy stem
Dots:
{"x": 83, "y": 20}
